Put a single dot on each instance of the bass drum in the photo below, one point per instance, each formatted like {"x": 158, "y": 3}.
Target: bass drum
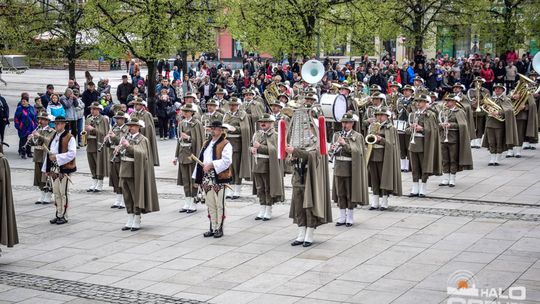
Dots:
{"x": 333, "y": 106}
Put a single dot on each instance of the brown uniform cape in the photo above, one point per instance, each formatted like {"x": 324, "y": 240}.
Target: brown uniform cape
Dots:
{"x": 149, "y": 131}
{"x": 256, "y": 110}
{"x": 114, "y": 142}
{"x": 432, "y": 162}
{"x": 277, "y": 190}
{"x": 469, "y": 116}
{"x": 510, "y": 126}
{"x": 531, "y": 135}
{"x": 391, "y": 176}
{"x": 464, "y": 144}
{"x": 103, "y": 158}
{"x": 8, "y": 223}
{"x": 197, "y": 140}
{"x": 359, "y": 177}
{"x": 145, "y": 197}
{"x": 245, "y": 132}
{"x": 44, "y": 138}
{"x": 317, "y": 191}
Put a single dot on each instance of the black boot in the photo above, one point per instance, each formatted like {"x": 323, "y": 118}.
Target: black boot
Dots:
{"x": 54, "y": 220}
{"x": 218, "y": 233}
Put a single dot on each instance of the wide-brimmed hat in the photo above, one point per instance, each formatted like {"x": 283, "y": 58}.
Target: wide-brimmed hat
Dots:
{"x": 311, "y": 96}
{"x": 422, "y": 97}
{"x": 234, "y": 101}
{"x": 452, "y": 97}
{"x": 378, "y": 95}
{"x": 375, "y": 87}
{"x": 349, "y": 117}
{"x": 409, "y": 87}
{"x": 249, "y": 91}
{"x": 459, "y": 85}
{"x": 44, "y": 115}
{"x": 60, "y": 119}
{"x": 533, "y": 73}
{"x": 383, "y": 111}
{"x": 190, "y": 95}
{"x": 433, "y": 94}
{"x": 212, "y": 102}
{"x": 120, "y": 114}
{"x": 188, "y": 107}
{"x": 96, "y": 105}
{"x": 136, "y": 122}
{"x": 478, "y": 78}
{"x": 418, "y": 78}
{"x": 138, "y": 101}
{"x": 396, "y": 84}
{"x": 218, "y": 124}
{"x": 499, "y": 85}
{"x": 266, "y": 118}
{"x": 220, "y": 91}
{"x": 275, "y": 103}
{"x": 345, "y": 87}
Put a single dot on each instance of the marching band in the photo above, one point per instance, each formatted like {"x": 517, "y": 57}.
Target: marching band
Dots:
{"x": 373, "y": 139}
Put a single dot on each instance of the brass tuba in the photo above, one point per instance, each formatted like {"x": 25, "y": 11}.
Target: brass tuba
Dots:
{"x": 522, "y": 89}
{"x": 271, "y": 93}
{"x": 491, "y": 107}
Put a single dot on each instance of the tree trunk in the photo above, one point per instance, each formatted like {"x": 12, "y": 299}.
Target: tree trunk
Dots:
{"x": 183, "y": 55}
{"x": 418, "y": 37}
{"x": 71, "y": 68}
{"x": 151, "y": 85}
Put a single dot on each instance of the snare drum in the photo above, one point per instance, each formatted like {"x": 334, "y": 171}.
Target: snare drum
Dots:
{"x": 400, "y": 125}
{"x": 333, "y": 106}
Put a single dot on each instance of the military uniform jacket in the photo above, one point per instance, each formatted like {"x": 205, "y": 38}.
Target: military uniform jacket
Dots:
{"x": 44, "y": 137}
{"x": 240, "y": 139}
{"x": 387, "y": 151}
{"x": 469, "y": 114}
{"x": 186, "y": 147}
{"x": 137, "y": 167}
{"x": 427, "y": 142}
{"x": 101, "y": 128}
{"x": 149, "y": 131}
{"x": 267, "y": 157}
{"x": 208, "y": 118}
{"x": 254, "y": 110}
{"x": 119, "y": 132}
{"x": 458, "y": 133}
{"x": 352, "y": 155}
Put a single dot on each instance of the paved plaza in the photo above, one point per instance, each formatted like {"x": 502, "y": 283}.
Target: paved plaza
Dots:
{"x": 487, "y": 226}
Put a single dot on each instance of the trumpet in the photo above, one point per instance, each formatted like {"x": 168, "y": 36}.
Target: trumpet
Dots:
{"x": 371, "y": 138}
{"x": 413, "y": 120}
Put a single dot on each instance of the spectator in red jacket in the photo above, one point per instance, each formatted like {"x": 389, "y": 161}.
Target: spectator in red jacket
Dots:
{"x": 487, "y": 73}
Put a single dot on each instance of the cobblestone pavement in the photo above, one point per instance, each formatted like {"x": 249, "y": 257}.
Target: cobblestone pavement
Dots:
{"x": 486, "y": 226}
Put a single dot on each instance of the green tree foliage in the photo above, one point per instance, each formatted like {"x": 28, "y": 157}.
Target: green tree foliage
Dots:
{"x": 153, "y": 29}
{"x": 53, "y": 29}
{"x": 293, "y": 27}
